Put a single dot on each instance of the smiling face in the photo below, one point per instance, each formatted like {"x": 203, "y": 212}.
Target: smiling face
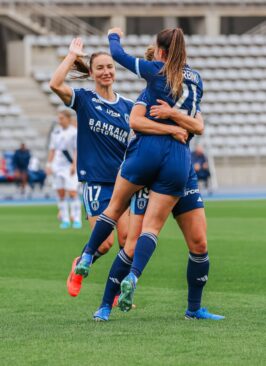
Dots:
{"x": 103, "y": 70}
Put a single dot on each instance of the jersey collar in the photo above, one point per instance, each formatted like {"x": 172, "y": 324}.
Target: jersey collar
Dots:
{"x": 108, "y": 101}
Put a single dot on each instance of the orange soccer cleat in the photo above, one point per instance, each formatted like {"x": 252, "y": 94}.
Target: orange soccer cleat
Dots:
{"x": 115, "y": 303}
{"x": 74, "y": 281}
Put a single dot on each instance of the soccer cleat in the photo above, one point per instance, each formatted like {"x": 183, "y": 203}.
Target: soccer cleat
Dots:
{"x": 202, "y": 313}
{"x": 115, "y": 302}
{"x": 74, "y": 281}
{"x": 128, "y": 286}
{"x": 64, "y": 225}
{"x": 102, "y": 314}
{"x": 77, "y": 225}
{"x": 82, "y": 268}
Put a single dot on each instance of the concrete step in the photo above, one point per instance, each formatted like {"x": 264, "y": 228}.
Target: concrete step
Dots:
{"x": 29, "y": 96}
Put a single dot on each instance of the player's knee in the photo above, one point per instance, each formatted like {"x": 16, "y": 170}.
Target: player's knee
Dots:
{"x": 198, "y": 244}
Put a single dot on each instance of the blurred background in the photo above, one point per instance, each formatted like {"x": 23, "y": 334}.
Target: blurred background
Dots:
{"x": 226, "y": 42}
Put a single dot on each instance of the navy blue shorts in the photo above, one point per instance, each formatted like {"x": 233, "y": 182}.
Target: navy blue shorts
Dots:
{"x": 158, "y": 162}
{"x": 140, "y": 201}
{"x": 190, "y": 201}
{"x": 96, "y": 197}
{"x": 192, "y": 198}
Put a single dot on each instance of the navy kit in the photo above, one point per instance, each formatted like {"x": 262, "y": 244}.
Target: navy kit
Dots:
{"x": 103, "y": 132}
{"x": 159, "y": 162}
{"x": 191, "y": 199}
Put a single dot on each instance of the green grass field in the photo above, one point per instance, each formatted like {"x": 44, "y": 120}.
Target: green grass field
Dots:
{"x": 41, "y": 325}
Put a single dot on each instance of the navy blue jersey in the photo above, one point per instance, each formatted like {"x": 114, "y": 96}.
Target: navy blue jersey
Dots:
{"x": 192, "y": 88}
{"x": 103, "y": 132}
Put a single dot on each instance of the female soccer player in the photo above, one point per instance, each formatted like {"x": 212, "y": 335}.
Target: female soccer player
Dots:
{"x": 157, "y": 161}
{"x": 103, "y": 130}
{"x": 102, "y": 137}
{"x": 62, "y": 164}
{"x": 189, "y": 215}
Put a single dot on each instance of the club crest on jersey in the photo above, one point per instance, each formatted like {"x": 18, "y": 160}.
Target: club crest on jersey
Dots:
{"x": 112, "y": 113}
{"x": 126, "y": 116}
{"x": 141, "y": 203}
{"x": 95, "y": 205}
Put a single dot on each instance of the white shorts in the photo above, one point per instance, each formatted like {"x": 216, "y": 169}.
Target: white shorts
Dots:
{"x": 64, "y": 180}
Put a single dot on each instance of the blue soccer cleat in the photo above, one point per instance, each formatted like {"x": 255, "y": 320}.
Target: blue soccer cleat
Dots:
{"x": 202, "y": 313}
{"x": 82, "y": 268}
{"x": 102, "y": 314}
{"x": 64, "y": 225}
{"x": 77, "y": 225}
{"x": 128, "y": 286}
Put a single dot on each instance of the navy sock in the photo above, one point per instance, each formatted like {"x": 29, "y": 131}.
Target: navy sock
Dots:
{"x": 102, "y": 229}
{"x": 197, "y": 276}
{"x": 120, "y": 269}
{"x": 145, "y": 247}
{"x": 96, "y": 256}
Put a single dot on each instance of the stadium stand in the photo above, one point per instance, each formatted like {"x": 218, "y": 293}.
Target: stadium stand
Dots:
{"x": 233, "y": 67}
{"x": 15, "y": 128}
{"x": 234, "y": 82}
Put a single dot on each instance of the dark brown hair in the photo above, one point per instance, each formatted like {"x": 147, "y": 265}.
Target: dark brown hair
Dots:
{"x": 83, "y": 65}
{"x": 172, "y": 41}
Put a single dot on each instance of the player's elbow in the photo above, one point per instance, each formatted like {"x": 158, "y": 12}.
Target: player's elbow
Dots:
{"x": 200, "y": 130}
{"x": 53, "y": 86}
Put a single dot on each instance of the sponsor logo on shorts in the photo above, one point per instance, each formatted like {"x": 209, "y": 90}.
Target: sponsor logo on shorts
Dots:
{"x": 199, "y": 199}
{"x": 141, "y": 203}
{"x": 191, "y": 191}
{"x": 82, "y": 172}
{"x": 95, "y": 205}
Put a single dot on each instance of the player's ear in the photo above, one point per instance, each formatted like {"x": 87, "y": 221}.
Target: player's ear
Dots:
{"x": 163, "y": 54}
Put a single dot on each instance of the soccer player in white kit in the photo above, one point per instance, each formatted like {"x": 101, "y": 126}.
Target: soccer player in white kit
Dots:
{"x": 61, "y": 164}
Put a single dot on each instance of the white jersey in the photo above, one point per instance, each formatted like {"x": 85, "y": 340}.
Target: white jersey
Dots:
{"x": 64, "y": 142}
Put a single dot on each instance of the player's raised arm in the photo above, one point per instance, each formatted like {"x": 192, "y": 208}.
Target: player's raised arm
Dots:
{"x": 57, "y": 82}
{"x": 140, "y": 67}
{"x": 164, "y": 111}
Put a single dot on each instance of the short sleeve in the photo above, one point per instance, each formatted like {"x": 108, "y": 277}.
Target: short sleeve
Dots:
{"x": 75, "y": 100}
{"x": 199, "y": 95}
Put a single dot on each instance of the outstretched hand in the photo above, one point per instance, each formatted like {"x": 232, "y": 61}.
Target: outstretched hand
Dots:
{"x": 162, "y": 110}
{"x": 76, "y": 47}
{"x": 116, "y": 30}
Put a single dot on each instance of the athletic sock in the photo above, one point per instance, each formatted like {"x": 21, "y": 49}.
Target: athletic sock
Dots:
{"x": 102, "y": 229}
{"x": 96, "y": 256}
{"x": 197, "y": 276}
{"x": 75, "y": 209}
{"x": 63, "y": 209}
{"x": 119, "y": 270}
{"x": 145, "y": 247}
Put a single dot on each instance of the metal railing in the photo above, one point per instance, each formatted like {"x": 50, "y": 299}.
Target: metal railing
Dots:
{"x": 49, "y": 17}
{"x": 258, "y": 29}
